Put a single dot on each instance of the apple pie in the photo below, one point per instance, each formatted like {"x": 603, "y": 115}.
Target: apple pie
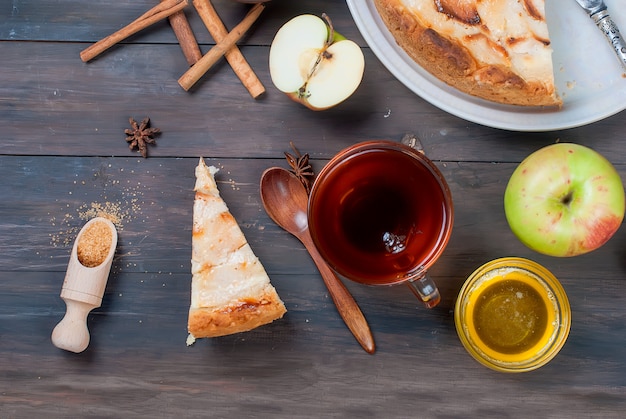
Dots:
{"x": 230, "y": 290}
{"x": 498, "y": 50}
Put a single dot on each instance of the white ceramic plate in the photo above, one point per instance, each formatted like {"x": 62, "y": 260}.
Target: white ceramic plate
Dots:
{"x": 589, "y": 78}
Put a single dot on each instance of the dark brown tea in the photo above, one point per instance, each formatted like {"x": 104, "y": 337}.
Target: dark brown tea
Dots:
{"x": 380, "y": 215}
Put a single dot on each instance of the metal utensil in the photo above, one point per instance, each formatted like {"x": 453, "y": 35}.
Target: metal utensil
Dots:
{"x": 598, "y": 12}
{"x": 285, "y": 200}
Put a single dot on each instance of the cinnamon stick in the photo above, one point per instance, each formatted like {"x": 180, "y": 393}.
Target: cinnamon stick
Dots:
{"x": 234, "y": 56}
{"x": 155, "y": 14}
{"x": 194, "y": 74}
{"x": 184, "y": 34}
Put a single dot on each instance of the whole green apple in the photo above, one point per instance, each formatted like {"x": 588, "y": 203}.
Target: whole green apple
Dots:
{"x": 564, "y": 200}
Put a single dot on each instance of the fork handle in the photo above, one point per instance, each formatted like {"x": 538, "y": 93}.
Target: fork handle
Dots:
{"x": 611, "y": 31}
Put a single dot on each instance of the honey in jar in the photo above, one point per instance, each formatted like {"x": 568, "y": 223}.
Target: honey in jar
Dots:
{"x": 512, "y": 315}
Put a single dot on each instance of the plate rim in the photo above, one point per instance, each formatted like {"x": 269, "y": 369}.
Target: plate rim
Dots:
{"x": 449, "y": 99}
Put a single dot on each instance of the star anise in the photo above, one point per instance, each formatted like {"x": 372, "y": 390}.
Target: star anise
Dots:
{"x": 300, "y": 167}
{"x": 141, "y": 135}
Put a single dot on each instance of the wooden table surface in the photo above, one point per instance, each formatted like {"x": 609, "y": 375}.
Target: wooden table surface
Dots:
{"x": 63, "y": 153}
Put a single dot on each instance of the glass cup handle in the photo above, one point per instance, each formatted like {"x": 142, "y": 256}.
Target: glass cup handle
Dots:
{"x": 425, "y": 289}
{"x": 412, "y": 141}
{"x": 422, "y": 286}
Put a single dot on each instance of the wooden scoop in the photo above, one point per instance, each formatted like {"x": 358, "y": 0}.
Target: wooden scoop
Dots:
{"x": 85, "y": 281}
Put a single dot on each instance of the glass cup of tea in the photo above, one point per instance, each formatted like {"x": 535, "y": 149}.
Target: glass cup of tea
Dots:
{"x": 381, "y": 213}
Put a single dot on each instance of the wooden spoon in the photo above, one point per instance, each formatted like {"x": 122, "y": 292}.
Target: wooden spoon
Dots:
{"x": 285, "y": 200}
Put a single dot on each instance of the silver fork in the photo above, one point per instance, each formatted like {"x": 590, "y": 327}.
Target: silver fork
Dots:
{"x": 598, "y": 12}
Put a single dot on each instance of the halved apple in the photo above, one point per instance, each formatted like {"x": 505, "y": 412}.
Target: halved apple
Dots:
{"x": 313, "y": 64}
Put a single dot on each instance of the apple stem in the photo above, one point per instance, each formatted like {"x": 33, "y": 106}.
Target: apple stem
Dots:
{"x": 331, "y": 30}
{"x": 302, "y": 91}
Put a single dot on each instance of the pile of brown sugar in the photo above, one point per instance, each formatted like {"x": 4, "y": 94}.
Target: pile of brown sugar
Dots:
{"x": 94, "y": 244}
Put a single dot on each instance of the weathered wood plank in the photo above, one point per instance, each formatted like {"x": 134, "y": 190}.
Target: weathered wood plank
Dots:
{"x": 77, "y": 21}
{"x": 45, "y": 198}
{"x": 418, "y": 353}
{"x": 54, "y": 104}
